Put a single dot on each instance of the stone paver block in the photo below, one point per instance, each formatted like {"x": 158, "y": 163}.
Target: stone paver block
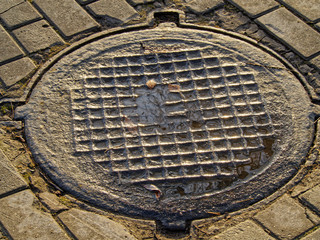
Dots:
{"x": 316, "y": 61}
{"x": 291, "y": 30}
{"x": 67, "y": 15}
{"x": 136, "y": 2}
{"x": 258, "y": 35}
{"x": 13, "y": 72}
{"x": 247, "y": 230}
{"x": 312, "y": 198}
{"x": 120, "y": 10}
{"x": 255, "y": 8}
{"x": 19, "y": 15}
{"x": 37, "y": 36}
{"x": 309, "y": 9}
{"x": 8, "y": 48}
{"x": 285, "y": 218}
{"x": 87, "y": 225}
{"x": 203, "y": 6}
{"x": 21, "y": 218}
{"x": 10, "y": 180}
{"x": 318, "y": 26}
{"x": 51, "y": 201}
{"x": 234, "y": 21}
{"x": 8, "y": 4}
{"x": 313, "y": 177}
{"x": 313, "y": 236}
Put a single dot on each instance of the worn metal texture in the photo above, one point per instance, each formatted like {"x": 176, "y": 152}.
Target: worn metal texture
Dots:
{"x": 169, "y": 124}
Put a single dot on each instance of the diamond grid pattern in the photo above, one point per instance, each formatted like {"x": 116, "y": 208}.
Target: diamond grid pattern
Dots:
{"x": 214, "y": 119}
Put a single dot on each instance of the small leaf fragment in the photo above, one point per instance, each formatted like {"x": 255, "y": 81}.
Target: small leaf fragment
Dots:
{"x": 153, "y": 188}
{"x": 174, "y": 88}
{"x": 215, "y": 213}
{"x": 158, "y": 195}
{"x": 151, "y": 84}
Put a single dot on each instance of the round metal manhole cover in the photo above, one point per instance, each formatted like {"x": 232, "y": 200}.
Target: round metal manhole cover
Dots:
{"x": 169, "y": 124}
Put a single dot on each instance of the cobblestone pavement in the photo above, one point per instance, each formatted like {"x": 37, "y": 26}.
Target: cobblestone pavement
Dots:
{"x": 33, "y": 31}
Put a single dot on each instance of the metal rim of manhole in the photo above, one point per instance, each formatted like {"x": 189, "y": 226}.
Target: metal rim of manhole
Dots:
{"x": 169, "y": 123}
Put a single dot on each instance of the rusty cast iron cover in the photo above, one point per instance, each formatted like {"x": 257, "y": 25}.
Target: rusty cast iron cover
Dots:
{"x": 169, "y": 123}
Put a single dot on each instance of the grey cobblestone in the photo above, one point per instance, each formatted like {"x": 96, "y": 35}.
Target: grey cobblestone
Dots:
{"x": 293, "y": 58}
{"x": 86, "y": 225}
{"x": 312, "y": 198}
{"x": 10, "y": 180}
{"x": 38, "y": 184}
{"x": 247, "y": 230}
{"x": 120, "y": 10}
{"x": 37, "y": 36}
{"x": 313, "y": 236}
{"x": 273, "y": 44}
{"x": 67, "y": 16}
{"x": 229, "y": 21}
{"x": 309, "y": 9}
{"x": 258, "y": 35}
{"x": 291, "y": 30}
{"x": 316, "y": 61}
{"x": 21, "y": 218}
{"x": 13, "y": 72}
{"x": 50, "y": 201}
{"x": 285, "y": 218}
{"x": 8, "y": 4}
{"x": 8, "y": 48}
{"x": 255, "y": 8}
{"x": 252, "y": 29}
{"x": 203, "y": 6}
{"x": 19, "y": 15}
{"x": 305, "y": 69}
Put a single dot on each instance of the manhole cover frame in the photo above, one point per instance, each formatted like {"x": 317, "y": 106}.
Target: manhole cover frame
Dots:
{"x": 173, "y": 220}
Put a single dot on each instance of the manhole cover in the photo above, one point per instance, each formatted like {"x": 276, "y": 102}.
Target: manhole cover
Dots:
{"x": 169, "y": 124}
